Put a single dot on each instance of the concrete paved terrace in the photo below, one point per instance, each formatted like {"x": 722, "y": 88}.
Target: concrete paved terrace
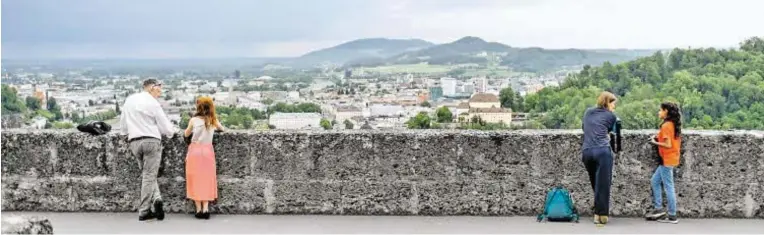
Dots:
{"x": 114, "y": 223}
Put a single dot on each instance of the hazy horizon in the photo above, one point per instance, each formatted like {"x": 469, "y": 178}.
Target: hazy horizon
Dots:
{"x": 142, "y": 29}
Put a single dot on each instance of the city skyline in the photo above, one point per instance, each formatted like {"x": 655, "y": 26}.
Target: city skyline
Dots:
{"x": 235, "y": 28}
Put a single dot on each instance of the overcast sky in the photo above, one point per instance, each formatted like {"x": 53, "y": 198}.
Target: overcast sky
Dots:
{"x": 276, "y": 28}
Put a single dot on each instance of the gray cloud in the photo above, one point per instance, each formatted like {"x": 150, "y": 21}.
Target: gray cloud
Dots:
{"x": 229, "y": 28}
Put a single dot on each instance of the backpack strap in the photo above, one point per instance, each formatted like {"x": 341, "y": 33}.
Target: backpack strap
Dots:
{"x": 569, "y": 199}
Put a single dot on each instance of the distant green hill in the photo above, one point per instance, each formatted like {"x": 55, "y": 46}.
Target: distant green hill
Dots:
{"x": 467, "y": 50}
{"x": 361, "y": 49}
{"x": 477, "y": 50}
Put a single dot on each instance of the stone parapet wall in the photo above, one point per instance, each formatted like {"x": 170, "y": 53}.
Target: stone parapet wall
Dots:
{"x": 382, "y": 173}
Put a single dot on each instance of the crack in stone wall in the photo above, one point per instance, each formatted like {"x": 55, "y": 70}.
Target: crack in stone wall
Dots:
{"x": 430, "y": 172}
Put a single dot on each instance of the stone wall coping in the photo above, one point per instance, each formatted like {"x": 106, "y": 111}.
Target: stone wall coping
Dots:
{"x": 752, "y": 133}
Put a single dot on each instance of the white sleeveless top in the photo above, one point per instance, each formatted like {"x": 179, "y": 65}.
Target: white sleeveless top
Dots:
{"x": 201, "y": 135}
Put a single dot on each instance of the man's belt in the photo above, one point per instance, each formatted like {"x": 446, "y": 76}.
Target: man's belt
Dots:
{"x": 141, "y": 138}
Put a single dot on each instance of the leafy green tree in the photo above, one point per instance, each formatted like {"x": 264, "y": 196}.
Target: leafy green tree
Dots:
{"x": 11, "y": 102}
{"x": 184, "y": 120}
{"x": 348, "y": 124}
{"x": 444, "y": 115}
{"x": 511, "y": 99}
{"x": 420, "y": 121}
{"x": 294, "y": 108}
{"x": 237, "y": 121}
{"x": 54, "y": 108}
{"x": 326, "y": 124}
{"x": 33, "y": 103}
{"x": 75, "y": 117}
{"x": 716, "y": 89}
{"x": 425, "y": 104}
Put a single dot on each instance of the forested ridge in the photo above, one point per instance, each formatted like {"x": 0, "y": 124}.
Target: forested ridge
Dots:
{"x": 716, "y": 89}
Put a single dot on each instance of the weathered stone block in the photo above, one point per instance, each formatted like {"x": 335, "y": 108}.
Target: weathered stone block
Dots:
{"x": 65, "y": 194}
{"x": 710, "y": 199}
{"x": 279, "y": 157}
{"x": 420, "y": 157}
{"x": 82, "y": 156}
{"x": 13, "y": 224}
{"x": 233, "y": 155}
{"x": 492, "y": 156}
{"x": 28, "y": 154}
{"x": 720, "y": 158}
{"x": 481, "y": 197}
{"x": 307, "y": 197}
{"x": 355, "y": 157}
{"x": 240, "y": 195}
{"x": 378, "y": 198}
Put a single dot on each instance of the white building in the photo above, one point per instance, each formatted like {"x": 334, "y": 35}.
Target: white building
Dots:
{"x": 487, "y": 107}
{"x": 491, "y": 115}
{"x": 348, "y": 112}
{"x": 384, "y": 110}
{"x": 448, "y": 85}
{"x": 293, "y": 95}
{"x": 251, "y": 103}
{"x": 468, "y": 88}
{"x": 229, "y": 83}
{"x": 481, "y": 84}
{"x": 295, "y": 120}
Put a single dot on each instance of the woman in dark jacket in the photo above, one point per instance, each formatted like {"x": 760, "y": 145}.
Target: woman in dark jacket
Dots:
{"x": 597, "y": 154}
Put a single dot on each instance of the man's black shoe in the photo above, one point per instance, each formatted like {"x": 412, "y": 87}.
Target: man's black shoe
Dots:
{"x": 146, "y": 216}
{"x": 158, "y": 209}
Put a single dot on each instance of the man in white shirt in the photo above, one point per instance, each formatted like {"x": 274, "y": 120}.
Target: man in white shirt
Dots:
{"x": 144, "y": 122}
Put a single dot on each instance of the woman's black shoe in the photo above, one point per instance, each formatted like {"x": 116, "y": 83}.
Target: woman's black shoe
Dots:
{"x": 206, "y": 215}
{"x": 199, "y": 215}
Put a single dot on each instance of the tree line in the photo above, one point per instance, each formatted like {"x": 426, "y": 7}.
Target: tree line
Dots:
{"x": 716, "y": 89}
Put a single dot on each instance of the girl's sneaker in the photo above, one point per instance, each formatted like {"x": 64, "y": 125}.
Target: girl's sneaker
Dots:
{"x": 671, "y": 219}
{"x": 655, "y": 214}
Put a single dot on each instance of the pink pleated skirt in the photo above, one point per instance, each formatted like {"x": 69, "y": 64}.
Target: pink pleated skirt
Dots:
{"x": 201, "y": 177}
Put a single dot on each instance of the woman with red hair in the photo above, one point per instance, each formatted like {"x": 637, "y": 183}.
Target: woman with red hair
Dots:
{"x": 201, "y": 178}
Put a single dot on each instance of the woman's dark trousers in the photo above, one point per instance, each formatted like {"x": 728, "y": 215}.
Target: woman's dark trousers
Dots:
{"x": 599, "y": 164}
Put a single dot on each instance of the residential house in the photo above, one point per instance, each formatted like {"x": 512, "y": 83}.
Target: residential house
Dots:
{"x": 487, "y": 106}
{"x": 295, "y": 120}
{"x": 347, "y": 112}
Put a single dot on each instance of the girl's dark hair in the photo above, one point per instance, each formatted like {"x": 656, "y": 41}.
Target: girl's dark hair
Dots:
{"x": 674, "y": 115}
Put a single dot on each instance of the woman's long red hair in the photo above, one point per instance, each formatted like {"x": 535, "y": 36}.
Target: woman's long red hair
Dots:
{"x": 205, "y": 110}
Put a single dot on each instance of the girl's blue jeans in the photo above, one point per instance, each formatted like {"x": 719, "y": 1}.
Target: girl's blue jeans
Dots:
{"x": 664, "y": 176}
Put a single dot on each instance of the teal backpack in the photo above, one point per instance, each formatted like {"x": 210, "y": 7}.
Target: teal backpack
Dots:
{"x": 559, "y": 206}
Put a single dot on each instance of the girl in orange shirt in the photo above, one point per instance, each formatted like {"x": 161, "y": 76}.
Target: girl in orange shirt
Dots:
{"x": 668, "y": 141}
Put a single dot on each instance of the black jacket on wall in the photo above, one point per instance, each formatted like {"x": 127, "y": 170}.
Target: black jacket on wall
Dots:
{"x": 615, "y": 137}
